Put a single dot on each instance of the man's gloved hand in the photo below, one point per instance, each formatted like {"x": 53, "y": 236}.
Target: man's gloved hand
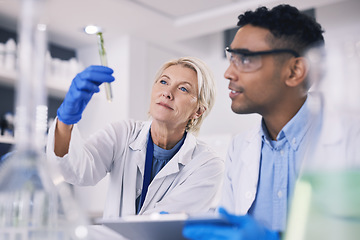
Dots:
{"x": 83, "y": 86}
{"x": 239, "y": 228}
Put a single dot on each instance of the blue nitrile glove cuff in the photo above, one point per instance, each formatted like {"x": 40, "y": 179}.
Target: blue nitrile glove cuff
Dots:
{"x": 236, "y": 228}
{"x": 83, "y": 86}
{"x": 250, "y": 228}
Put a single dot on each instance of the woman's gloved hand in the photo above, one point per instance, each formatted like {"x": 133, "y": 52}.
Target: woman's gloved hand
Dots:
{"x": 239, "y": 228}
{"x": 83, "y": 86}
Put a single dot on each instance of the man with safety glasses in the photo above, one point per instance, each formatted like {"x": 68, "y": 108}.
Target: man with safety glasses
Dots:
{"x": 268, "y": 75}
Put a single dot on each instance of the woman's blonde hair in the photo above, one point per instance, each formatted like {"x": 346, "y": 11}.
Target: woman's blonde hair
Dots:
{"x": 206, "y": 85}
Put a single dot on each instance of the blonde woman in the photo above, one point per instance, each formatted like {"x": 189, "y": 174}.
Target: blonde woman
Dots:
{"x": 156, "y": 165}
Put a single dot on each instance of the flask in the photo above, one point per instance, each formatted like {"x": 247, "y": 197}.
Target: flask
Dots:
{"x": 35, "y": 203}
{"x": 326, "y": 199}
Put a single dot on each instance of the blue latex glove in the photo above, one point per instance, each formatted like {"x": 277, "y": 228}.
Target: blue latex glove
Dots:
{"x": 83, "y": 86}
{"x": 239, "y": 228}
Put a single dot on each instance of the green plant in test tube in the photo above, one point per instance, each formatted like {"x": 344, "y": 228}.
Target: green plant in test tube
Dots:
{"x": 103, "y": 60}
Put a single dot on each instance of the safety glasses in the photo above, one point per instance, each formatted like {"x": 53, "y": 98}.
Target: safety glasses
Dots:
{"x": 248, "y": 61}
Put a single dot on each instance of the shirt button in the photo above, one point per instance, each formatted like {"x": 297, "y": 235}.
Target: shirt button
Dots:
{"x": 138, "y": 191}
{"x": 279, "y": 194}
{"x": 248, "y": 194}
{"x": 294, "y": 141}
{"x": 282, "y": 152}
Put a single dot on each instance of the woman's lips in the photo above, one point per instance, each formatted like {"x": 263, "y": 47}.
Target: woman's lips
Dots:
{"x": 165, "y": 105}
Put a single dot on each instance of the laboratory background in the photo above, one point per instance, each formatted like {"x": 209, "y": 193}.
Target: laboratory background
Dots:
{"x": 139, "y": 36}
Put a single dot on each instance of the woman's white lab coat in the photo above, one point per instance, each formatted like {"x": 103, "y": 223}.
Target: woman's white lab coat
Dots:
{"x": 189, "y": 182}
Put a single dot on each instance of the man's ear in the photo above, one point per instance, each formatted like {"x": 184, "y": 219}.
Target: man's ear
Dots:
{"x": 298, "y": 71}
{"x": 199, "y": 112}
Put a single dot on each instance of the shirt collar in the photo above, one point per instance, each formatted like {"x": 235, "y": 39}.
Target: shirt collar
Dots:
{"x": 294, "y": 131}
{"x": 163, "y": 154}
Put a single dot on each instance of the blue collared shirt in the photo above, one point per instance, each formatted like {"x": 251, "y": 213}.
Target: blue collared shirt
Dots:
{"x": 162, "y": 156}
{"x": 279, "y": 168}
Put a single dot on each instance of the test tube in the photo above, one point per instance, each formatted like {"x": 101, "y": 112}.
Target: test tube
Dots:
{"x": 103, "y": 60}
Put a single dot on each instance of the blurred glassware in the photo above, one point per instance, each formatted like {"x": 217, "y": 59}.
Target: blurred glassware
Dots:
{"x": 35, "y": 202}
{"x": 10, "y": 54}
{"x": 2, "y": 55}
{"x": 326, "y": 201}
{"x": 7, "y": 124}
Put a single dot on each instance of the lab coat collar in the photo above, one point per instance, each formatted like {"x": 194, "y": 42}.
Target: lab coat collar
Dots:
{"x": 140, "y": 144}
{"x": 141, "y": 141}
{"x": 254, "y": 134}
{"x": 181, "y": 158}
{"x": 253, "y": 139}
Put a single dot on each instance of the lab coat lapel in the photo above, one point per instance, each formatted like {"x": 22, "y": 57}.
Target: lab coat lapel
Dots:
{"x": 249, "y": 177}
{"x": 163, "y": 180}
{"x": 251, "y": 157}
{"x": 139, "y": 144}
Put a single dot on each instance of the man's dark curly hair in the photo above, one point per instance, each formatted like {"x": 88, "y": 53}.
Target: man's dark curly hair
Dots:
{"x": 290, "y": 28}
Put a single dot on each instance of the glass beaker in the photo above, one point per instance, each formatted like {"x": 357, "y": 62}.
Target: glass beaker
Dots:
{"x": 35, "y": 202}
{"x": 326, "y": 200}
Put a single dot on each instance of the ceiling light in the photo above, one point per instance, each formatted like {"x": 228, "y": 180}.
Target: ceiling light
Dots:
{"x": 92, "y": 29}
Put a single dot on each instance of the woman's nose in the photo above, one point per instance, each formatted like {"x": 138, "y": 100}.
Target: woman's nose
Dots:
{"x": 167, "y": 94}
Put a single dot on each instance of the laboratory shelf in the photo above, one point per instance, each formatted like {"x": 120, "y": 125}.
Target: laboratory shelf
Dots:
{"x": 7, "y": 139}
{"x": 56, "y": 87}
{"x": 7, "y": 77}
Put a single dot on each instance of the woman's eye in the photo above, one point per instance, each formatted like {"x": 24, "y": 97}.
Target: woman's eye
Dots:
{"x": 183, "y": 89}
{"x": 162, "y": 81}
